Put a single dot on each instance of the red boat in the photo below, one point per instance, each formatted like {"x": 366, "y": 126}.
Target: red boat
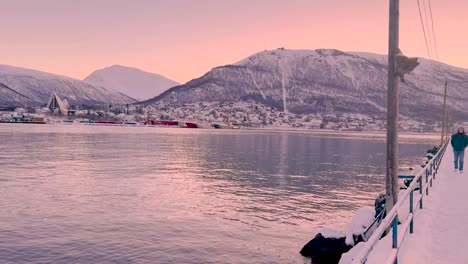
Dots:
{"x": 104, "y": 122}
{"x": 161, "y": 123}
{"x": 191, "y": 125}
{"x": 170, "y": 123}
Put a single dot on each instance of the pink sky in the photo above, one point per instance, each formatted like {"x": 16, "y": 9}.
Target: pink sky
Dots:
{"x": 183, "y": 39}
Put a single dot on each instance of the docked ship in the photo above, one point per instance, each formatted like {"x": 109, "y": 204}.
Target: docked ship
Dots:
{"x": 24, "y": 120}
{"x": 171, "y": 123}
{"x": 221, "y": 126}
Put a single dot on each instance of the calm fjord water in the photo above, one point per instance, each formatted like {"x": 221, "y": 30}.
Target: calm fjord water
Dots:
{"x": 87, "y": 194}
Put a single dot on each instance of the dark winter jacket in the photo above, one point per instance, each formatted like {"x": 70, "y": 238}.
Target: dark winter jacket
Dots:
{"x": 459, "y": 141}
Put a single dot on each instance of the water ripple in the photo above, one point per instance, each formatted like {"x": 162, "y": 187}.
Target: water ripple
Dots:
{"x": 82, "y": 194}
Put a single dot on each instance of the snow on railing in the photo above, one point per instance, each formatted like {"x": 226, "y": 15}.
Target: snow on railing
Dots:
{"x": 391, "y": 220}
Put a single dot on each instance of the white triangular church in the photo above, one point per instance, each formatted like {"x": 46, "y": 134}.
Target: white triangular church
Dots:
{"x": 56, "y": 104}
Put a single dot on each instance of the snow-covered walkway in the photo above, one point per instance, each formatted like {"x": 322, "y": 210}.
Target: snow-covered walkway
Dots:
{"x": 441, "y": 227}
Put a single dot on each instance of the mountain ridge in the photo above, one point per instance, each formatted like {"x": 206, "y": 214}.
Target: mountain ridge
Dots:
{"x": 134, "y": 82}
{"x": 324, "y": 81}
{"x": 10, "y": 97}
{"x": 38, "y": 86}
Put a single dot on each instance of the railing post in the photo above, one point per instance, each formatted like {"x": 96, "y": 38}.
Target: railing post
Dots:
{"x": 427, "y": 177}
{"x": 420, "y": 192}
{"x": 430, "y": 182}
{"x": 395, "y": 232}
{"x": 395, "y": 235}
{"x": 411, "y": 211}
{"x": 427, "y": 180}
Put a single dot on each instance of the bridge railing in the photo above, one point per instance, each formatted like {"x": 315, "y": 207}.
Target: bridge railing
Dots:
{"x": 426, "y": 175}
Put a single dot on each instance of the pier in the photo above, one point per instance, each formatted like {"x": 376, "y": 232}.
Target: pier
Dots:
{"x": 428, "y": 224}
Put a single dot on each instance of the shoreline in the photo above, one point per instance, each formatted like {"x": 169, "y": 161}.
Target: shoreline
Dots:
{"x": 372, "y": 134}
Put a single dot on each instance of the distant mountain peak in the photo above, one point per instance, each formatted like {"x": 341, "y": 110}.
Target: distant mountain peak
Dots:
{"x": 21, "y": 86}
{"x": 134, "y": 82}
{"x": 122, "y": 67}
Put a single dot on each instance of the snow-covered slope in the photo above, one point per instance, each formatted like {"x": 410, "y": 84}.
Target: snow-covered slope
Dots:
{"x": 9, "y": 97}
{"x": 133, "y": 82}
{"x": 37, "y": 86}
{"x": 325, "y": 81}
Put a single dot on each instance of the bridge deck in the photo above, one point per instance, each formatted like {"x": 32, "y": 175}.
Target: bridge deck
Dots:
{"x": 441, "y": 228}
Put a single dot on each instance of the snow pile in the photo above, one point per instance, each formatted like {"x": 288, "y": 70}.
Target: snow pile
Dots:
{"x": 349, "y": 256}
{"x": 330, "y": 244}
{"x": 331, "y": 233}
{"x": 362, "y": 220}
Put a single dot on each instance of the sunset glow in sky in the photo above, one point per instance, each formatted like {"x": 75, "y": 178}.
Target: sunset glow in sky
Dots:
{"x": 183, "y": 39}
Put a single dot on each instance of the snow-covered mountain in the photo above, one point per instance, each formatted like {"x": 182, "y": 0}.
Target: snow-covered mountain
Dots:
{"x": 326, "y": 81}
{"x": 10, "y": 97}
{"x": 131, "y": 81}
{"x": 35, "y": 87}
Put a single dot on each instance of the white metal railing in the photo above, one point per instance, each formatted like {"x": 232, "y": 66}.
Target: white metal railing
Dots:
{"x": 391, "y": 220}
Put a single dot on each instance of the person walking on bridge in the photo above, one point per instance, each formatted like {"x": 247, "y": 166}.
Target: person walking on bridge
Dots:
{"x": 459, "y": 143}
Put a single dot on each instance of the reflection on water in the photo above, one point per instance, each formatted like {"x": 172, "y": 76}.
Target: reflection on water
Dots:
{"x": 79, "y": 194}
